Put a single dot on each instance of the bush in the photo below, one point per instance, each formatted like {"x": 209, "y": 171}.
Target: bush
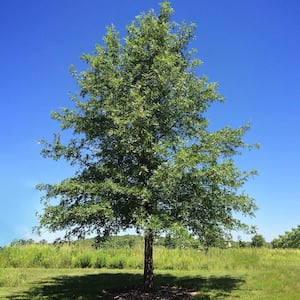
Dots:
{"x": 83, "y": 261}
{"x": 117, "y": 262}
{"x": 101, "y": 261}
{"x": 258, "y": 241}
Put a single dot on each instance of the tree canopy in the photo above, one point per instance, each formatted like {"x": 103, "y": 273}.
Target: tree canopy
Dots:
{"x": 258, "y": 241}
{"x": 290, "y": 239}
{"x": 143, "y": 155}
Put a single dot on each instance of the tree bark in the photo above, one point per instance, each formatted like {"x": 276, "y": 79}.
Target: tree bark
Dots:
{"x": 148, "y": 260}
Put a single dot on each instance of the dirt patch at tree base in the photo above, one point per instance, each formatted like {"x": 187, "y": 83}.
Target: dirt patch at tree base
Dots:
{"x": 160, "y": 293}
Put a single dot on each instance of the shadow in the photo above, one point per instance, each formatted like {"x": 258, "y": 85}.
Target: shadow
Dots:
{"x": 100, "y": 286}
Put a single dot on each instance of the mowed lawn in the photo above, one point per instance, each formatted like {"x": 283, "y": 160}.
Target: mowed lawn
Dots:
{"x": 223, "y": 274}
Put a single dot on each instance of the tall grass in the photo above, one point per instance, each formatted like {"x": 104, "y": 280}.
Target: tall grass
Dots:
{"x": 13, "y": 278}
{"x": 74, "y": 256}
{"x": 262, "y": 273}
{"x": 69, "y": 256}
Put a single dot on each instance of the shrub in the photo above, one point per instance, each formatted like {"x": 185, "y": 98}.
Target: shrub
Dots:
{"x": 101, "y": 261}
{"x": 258, "y": 241}
{"x": 83, "y": 261}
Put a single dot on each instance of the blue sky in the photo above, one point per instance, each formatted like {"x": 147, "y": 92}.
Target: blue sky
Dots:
{"x": 250, "y": 47}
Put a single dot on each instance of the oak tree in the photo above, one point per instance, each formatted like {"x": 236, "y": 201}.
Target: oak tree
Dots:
{"x": 143, "y": 154}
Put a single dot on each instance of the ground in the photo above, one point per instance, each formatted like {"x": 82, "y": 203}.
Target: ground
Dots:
{"x": 161, "y": 293}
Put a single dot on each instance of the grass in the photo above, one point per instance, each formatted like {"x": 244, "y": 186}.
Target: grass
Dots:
{"x": 221, "y": 274}
{"x": 92, "y": 283}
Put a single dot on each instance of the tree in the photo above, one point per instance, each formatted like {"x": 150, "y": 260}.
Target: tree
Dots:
{"x": 21, "y": 242}
{"x": 258, "y": 241}
{"x": 241, "y": 243}
{"x": 291, "y": 239}
{"x": 140, "y": 144}
{"x": 179, "y": 237}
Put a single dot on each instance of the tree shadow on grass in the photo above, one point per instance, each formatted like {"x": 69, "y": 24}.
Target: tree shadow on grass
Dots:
{"x": 102, "y": 285}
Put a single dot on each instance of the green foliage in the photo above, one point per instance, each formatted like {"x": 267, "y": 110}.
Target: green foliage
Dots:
{"x": 291, "y": 239}
{"x": 258, "y": 241}
{"x": 20, "y": 242}
{"x": 241, "y": 243}
{"x": 178, "y": 237}
{"x": 140, "y": 142}
{"x": 83, "y": 260}
{"x": 123, "y": 241}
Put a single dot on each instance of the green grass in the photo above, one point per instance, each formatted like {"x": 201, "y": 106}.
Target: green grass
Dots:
{"x": 92, "y": 283}
{"x": 221, "y": 274}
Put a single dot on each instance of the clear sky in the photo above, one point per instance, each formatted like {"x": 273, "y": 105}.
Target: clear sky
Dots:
{"x": 250, "y": 47}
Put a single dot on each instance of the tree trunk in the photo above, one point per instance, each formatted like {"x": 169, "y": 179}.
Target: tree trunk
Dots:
{"x": 148, "y": 260}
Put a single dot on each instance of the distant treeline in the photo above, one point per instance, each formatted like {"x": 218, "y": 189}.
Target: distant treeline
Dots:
{"x": 181, "y": 240}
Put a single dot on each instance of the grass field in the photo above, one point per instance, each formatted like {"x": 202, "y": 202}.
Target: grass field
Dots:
{"x": 219, "y": 274}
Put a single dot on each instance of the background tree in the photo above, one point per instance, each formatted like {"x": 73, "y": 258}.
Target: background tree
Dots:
{"x": 179, "y": 237}
{"x": 141, "y": 147}
{"x": 241, "y": 243}
{"x": 291, "y": 239}
{"x": 258, "y": 241}
{"x": 22, "y": 242}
